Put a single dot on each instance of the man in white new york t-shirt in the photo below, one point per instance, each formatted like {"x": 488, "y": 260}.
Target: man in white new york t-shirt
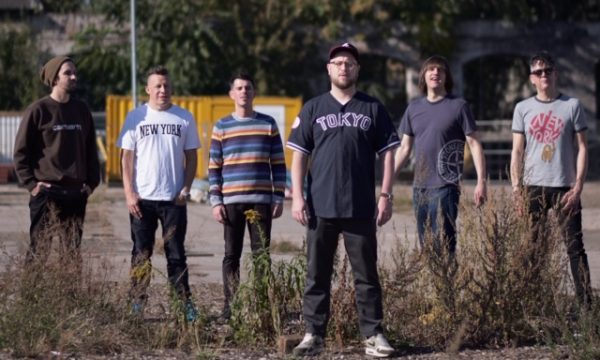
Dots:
{"x": 159, "y": 142}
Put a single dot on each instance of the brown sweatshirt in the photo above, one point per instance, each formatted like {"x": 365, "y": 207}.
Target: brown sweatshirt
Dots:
{"x": 56, "y": 143}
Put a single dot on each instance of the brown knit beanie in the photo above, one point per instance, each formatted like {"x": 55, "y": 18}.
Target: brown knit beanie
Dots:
{"x": 50, "y": 69}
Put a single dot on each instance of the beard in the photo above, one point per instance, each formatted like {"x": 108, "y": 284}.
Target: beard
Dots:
{"x": 71, "y": 87}
{"x": 345, "y": 84}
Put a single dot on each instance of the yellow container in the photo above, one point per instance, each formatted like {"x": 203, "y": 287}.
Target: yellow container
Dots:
{"x": 206, "y": 110}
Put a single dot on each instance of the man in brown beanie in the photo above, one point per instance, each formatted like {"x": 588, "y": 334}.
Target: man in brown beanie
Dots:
{"x": 56, "y": 159}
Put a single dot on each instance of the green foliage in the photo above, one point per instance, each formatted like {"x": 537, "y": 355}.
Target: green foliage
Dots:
{"x": 102, "y": 64}
{"x": 62, "y": 6}
{"x": 263, "y": 305}
{"x": 20, "y": 83}
{"x": 280, "y": 42}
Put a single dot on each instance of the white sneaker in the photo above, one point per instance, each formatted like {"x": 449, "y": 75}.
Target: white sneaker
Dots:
{"x": 378, "y": 346}
{"x": 309, "y": 346}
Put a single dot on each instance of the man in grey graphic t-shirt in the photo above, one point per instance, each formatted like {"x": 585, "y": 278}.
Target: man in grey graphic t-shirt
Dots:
{"x": 549, "y": 163}
{"x": 437, "y": 126}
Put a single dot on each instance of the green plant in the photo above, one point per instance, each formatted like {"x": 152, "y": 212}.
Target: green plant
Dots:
{"x": 262, "y": 305}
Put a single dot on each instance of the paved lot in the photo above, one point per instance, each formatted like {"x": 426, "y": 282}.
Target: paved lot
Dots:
{"x": 107, "y": 242}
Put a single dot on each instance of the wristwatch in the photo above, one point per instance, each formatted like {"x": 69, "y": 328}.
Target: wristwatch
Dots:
{"x": 185, "y": 194}
{"x": 388, "y": 196}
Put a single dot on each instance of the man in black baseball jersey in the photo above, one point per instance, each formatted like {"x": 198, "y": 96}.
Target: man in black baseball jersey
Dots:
{"x": 342, "y": 131}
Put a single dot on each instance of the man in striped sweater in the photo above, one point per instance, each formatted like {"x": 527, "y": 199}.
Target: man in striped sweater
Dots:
{"x": 246, "y": 172}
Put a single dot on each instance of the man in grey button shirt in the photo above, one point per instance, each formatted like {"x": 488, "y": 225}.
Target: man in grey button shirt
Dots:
{"x": 549, "y": 161}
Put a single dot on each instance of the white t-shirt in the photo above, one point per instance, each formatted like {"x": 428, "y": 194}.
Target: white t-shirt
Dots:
{"x": 159, "y": 139}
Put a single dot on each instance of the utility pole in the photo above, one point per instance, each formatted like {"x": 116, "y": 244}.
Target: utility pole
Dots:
{"x": 133, "y": 58}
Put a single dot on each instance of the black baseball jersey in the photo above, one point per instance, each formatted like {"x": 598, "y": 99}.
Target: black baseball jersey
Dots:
{"x": 342, "y": 141}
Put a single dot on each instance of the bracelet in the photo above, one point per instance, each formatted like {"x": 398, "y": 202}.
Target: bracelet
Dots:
{"x": 388, "y": 196}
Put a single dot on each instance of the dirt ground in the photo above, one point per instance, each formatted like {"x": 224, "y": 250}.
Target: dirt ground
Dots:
{"x": 107, "y": 232}
{"x": 107, "y": 241}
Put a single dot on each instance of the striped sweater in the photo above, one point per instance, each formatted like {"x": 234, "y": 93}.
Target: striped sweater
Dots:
{"x": 247, "y": 163}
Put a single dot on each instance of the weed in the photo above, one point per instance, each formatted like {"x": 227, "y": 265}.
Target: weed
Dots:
{"x": 262, "y": 305}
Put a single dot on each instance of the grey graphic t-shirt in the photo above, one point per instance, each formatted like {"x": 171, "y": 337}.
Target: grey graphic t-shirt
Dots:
{"x": 439, "y": 131}
{"x": 549, "y": 129}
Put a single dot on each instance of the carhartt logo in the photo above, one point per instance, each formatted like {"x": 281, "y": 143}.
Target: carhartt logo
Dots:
{"x": 346, "y": 45}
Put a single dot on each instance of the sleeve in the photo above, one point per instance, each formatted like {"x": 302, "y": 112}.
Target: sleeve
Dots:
{"x": 93, "y": 163}
{"x": 579, "y": 118}
{"x": 387, "y": 137}
{"x": 278, "y": 170}
{"x": 301, "y": 138}
{"x": 405, "y": 124}
{"x": 518, "y": 122}
{"x": 192, "y": 140}
{"x": 467, "y": 119}
{"x": 25, "y": 148}
{"x": 126, "y": 138}
{"x": 215, "y": 167}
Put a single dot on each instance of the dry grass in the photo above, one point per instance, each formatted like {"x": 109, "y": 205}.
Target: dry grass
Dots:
{"x": 499, "y": 290}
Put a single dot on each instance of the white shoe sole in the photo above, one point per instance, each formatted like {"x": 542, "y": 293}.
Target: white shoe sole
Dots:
{"x": 378, "y": 353}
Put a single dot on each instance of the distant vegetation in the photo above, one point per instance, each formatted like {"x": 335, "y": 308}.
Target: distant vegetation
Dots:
{"x": 281, "y": 42}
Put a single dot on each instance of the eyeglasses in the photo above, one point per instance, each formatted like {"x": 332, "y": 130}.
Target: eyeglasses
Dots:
{"x": 539, "y": 72}
{"x": 347, "y": 64}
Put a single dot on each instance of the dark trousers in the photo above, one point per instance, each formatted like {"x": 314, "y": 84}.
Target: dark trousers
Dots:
{"x": 433, "y": 205}
{"x": 234, "y": 241}
{"x": 541, "y": 200}
{"x": 56, "y": 212}
{"x": 173, "y": 220}
{"x": 361, "y": 246}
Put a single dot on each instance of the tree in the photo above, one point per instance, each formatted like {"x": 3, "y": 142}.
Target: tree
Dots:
{"x": 20, "y": 83}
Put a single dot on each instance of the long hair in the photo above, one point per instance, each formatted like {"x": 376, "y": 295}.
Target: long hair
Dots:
{"x": 436, "y": 60}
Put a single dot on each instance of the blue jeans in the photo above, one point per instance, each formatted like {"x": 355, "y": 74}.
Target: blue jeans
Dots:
{"x": 429, "y": 204}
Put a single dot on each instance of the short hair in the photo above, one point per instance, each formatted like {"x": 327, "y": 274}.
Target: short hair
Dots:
{"x": 439, "y": 61}
{"x": 242, "y": 75}
{"x": 157, "y": 70}
{"x": 543, "y": 57}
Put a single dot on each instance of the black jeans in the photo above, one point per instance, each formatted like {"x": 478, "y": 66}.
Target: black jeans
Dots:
{"x": 541, "y": 200}
{"x": 234, "y": 241}
{"x": 361, "y": 246}
{"x": 59, "y": 212}
{"x": 173, "y": 220}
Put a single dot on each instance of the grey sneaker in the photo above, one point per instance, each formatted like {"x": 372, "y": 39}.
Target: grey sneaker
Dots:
{"x": 309, "y": 346}
{"x": 378, "y": 346}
